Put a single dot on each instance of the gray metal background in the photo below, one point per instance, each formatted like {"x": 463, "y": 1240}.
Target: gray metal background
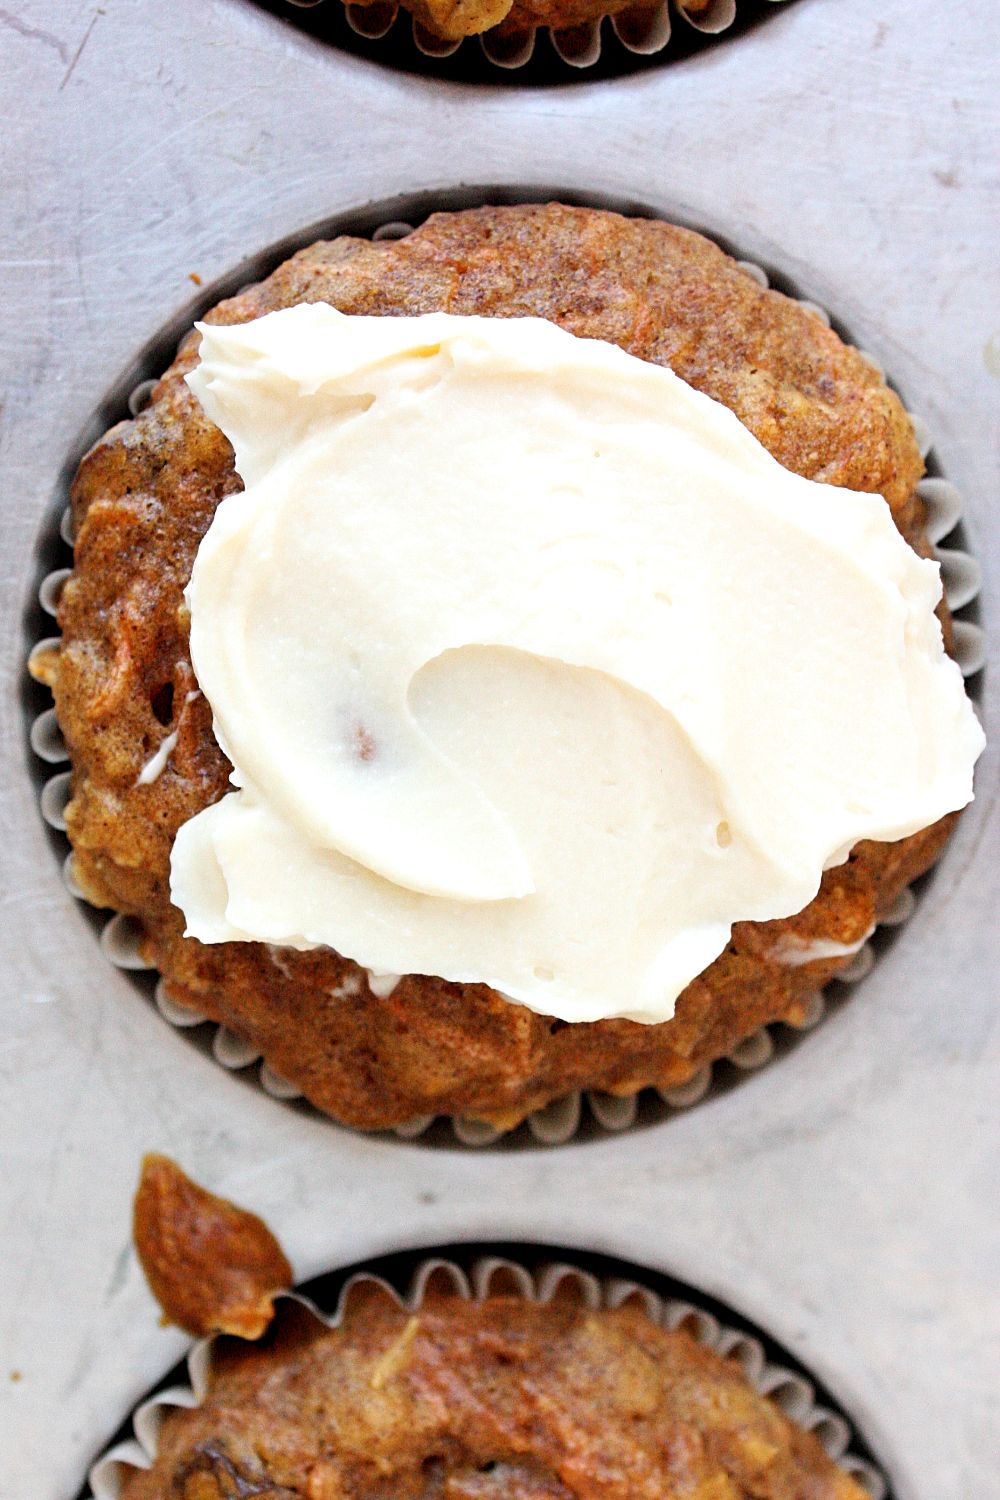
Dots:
{"x": 846, "y": 1199}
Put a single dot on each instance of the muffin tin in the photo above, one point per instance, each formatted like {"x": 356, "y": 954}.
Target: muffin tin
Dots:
{"x": 573, "y": 1114}
{"x": 539, "y": 1273}
{"x": 843, "y": 1199}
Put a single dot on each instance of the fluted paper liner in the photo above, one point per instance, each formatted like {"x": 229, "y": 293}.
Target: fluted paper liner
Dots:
{"x": 498, "y": 1275}
{"x": 643, "y": 28}
{"x": 559, "y": 1120}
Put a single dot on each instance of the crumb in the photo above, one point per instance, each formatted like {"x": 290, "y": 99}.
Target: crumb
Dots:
{"x": 363, "y": 743}
{"x": 193, "y": 276}
{"x": 213, "y": 1267}
{"x": 16, "y": 1377}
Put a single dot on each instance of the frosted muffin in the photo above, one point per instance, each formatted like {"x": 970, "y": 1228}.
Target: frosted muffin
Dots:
{"x": 372, "y": 1043}
{"x": 502, "y": 1396}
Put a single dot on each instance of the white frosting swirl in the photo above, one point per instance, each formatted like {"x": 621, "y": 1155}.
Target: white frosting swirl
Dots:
{"x": 534, "y": 667}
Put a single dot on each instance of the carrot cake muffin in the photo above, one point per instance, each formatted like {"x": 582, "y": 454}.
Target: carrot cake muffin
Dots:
{"x": 498, "y": 1399}
{"x": 451, "y": 20}
{"x": 513, "y": 712}
{"x": 501, "y": 1398}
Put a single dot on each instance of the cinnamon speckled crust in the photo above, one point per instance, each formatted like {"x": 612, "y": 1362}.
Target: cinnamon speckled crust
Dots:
{"x": 212, "y": 1267}
{"x": 145, "y": 495}
{"x": 497, "y": 1400}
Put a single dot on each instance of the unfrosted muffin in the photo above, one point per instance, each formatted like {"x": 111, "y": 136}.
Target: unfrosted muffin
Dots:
{"x": 451, "y": 20}
{"x": 372, "y": 1054}
{"x": 499, "y": 1398}
{"x": 503, "y": 1399}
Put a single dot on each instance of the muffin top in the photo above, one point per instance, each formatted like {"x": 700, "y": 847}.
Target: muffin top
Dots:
{"x": 455, "y": 19}
{"x": 503, "y": 1398}
{"x": 146, "y": 493}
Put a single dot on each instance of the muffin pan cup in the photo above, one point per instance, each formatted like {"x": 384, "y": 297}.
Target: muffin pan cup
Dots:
{"x": 479, "y": 1274}
{"x": 641, "y": 28}
{"x": 563, "y": 1118}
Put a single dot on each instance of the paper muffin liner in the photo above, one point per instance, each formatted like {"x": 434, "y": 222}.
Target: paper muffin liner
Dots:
{"x": 484, "y": 1275}
{"x": 562, "y": 1118}
{"x": 643, "y": 28}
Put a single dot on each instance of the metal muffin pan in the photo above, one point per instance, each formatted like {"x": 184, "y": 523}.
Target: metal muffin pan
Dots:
{"x": 843, "y": 1201}
{"x": 575, "y": 1113}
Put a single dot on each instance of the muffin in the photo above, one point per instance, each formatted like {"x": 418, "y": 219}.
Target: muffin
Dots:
{"x": 376, "y": 1053}
{"x": 503, "y": 1396}
{"x": 452, "y": 20}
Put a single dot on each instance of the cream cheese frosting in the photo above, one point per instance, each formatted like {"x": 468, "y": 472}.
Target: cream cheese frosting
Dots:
{"x": 534, "y": 667}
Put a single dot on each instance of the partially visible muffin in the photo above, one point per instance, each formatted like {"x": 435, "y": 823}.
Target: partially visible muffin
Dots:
{"x": 451, "y": 20}
{"x": 497, "y": 1399}
{"x": 145, "y": 496}
{"x": 503, "y": 1399}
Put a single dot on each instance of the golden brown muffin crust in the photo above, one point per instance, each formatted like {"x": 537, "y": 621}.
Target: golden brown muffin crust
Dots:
{"x": 504, "y": 1399}
{"x": 144, "y": 497}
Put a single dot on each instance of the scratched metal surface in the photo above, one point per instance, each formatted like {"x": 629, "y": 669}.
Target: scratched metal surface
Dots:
{"x": 845, "y": 1199}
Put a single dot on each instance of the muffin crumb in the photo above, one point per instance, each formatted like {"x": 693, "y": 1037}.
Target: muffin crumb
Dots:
{"x": 212, "y": 1267}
